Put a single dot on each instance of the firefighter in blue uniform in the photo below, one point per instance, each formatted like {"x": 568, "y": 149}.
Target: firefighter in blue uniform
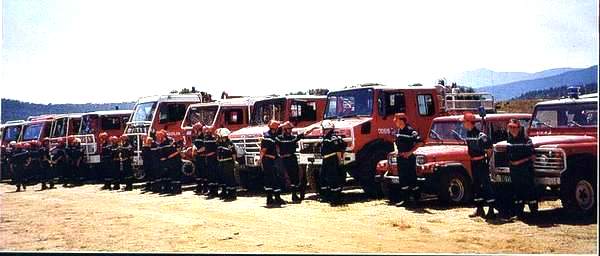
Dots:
{"x": 45, "y": 165}
{"x": 58, "y": 160}
{"x": 286, "y": 144}
{"x": 521, "y": 154}
{"x": 479, "y": 149}
{"x": 111, "y": 154}
{"x": 170, "y": 164}
{"x": 407, "y": 141}
{"x": 330, "y": 178}
{"x": 105, "y": 158}
{"x": 75, "y": 157}
{"x": 125, "y": 152}
{"x": 268, "y": 158}
{"x": 209, "y": 147}
{"x": 226, "y": 155}
{"x": 150, "y": 163}
{"x": 19, "y": 159}
{"x": 199, "y": 158}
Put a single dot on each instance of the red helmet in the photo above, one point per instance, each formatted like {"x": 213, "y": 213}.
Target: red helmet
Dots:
{"x": 113, "y": 139}
{"x": 148, "y": 141}
{"x": 208, "y": 129}
{"x": 61, "y": 141}
{"x": 287, "y": 124}
{"x": 468, "y": 117}
{"x": 123, "y": 138}
{"x": 103, "y": 136}
{"x": 273, "y": 124}
{"x": 161, "y": 134}
{"x": 70, "y": 139}
{"x": 198, "y": 127}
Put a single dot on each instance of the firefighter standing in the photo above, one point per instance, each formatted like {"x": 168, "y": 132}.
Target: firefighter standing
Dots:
{"x": 114, "y": 164}
{"x": 150, "y": 164}
{"x": 45, "y": 165}
{"x": 58, "y": 158}
{"x": 75, "y": 157}
{"x": 330, "y": 178}
{"x": 407, "y": 140}
{"x": 479, "y": 148}
{"x": 268, "y": 157}
{"x": 200, "y": 158}
{"x": 226, "y": 155}
{"x": 125, "y": 152}
{"x": 170, "y": 163}
{"x": 20, "y": 158}
{"x": 105, "y": 158}
{"x": 209, "y": 148}
{"x": 286, "y": 149}
{"x": 520, "y": 155}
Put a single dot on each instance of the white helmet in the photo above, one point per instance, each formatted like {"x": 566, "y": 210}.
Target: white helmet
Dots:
{"x": 223, "y": 132}
{"x": 327, "y": 124}
{"x": 12, "y": 144}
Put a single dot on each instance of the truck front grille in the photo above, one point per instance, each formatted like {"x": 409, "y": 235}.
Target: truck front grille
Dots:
{"x": 551, "y": 161}
{"x": 250, "y": 145}
{"x": 310, "y": 148}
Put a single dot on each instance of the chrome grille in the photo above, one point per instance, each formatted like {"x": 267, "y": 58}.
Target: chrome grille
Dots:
{"x": 247, "y": 145}
{"x": 550, "y": 161}
{"x": 310, "y": 148}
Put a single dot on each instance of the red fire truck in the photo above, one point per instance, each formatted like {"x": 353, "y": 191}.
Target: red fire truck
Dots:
{"x": 64, "y": 125}
{"x": 154, "y": 113}
{"x": 10, "y": 131}
{"x": 93, "y": 123}
{"x": 302, "y": 110}
{"x": 363, "y": 117}
{"x": 564, "y": 133}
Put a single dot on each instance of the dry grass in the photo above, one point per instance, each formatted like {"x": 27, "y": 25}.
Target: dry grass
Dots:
{"x": 88, "y": 219}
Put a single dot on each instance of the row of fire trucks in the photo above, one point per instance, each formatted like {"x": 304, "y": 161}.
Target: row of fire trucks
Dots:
{"x": 362, "y": 116}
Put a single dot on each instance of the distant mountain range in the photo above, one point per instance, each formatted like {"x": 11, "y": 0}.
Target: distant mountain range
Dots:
{"x": 578, "y": 77}
{"x": 484, "y": 77}
{"x": 18, "y": 110}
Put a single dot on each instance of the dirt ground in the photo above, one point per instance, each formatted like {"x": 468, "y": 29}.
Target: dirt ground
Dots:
{"x": 86, "y": 218}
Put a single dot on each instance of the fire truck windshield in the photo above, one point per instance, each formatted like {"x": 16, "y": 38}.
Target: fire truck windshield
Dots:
{"x": 452, "y": 130}
{"x": 32, "y": 132}
{"x": 205, "y": 114}
{"x": 565, "y": 116}
{"x": 267, "y": 110}
{"x": 349, "y": 103}
{"x": 143, "y": 112}
{"x": 89, "y": 124}
{"x": 11, "y": 133}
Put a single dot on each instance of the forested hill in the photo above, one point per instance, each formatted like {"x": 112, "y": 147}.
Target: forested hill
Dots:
{"x": 15, "y": 110}
{"x": 556, "y": 92}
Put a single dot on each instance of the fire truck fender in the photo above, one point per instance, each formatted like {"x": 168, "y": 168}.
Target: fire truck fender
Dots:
{"x": 374, "y": 146}
{"x": 367, "y": 160}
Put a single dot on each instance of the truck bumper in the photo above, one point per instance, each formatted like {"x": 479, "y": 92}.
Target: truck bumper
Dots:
{"x": 316, "y": 159}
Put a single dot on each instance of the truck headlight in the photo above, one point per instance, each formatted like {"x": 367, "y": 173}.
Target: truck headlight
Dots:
{"x": 420, "y": 159}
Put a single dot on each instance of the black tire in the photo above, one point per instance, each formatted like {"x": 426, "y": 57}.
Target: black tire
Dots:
{"x": 454, "y": 187}
{"x": 579, "y": 189}
{"x": 138, "y": 173}
{"x": 390, "y": 191}
{"x": 366, "y": 174}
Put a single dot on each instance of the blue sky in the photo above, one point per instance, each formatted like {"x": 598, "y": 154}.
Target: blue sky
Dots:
{"x": 109, "y": 51}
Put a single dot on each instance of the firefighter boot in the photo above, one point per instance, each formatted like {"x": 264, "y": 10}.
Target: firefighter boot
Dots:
{"x": 18, "y": 188}
{"x": 205, "y": 186}
{"x": 199, "y": 187}
{"x": 302, "y": 192}
{"x": 336, "y": 198}
{"x": 479, "y": 211}
{"x": 176, "y": 187}
{"x": 106, "y": 186}
{"x": 295, "y": 198}
{"x": 270, "y": 200}
{"x": 232, "y": 194}
{"x": 128, "y": 186}
{"x": 51, "y": 184}
{"x": 278, "y": 200}
{"x": 117, "y": 186}
{"x": 324, "y": 194}
{"x": 24, "y": 188}
{"x": 490, "y": 214}
{"x": 223, "y": 193}
{"x": 213, "y": 191}
{"x": 533, "y": 206}
{"x": 44, "y": 187}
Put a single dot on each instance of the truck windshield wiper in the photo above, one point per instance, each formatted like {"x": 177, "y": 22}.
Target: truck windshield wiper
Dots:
{"x": 437, "y": 135}
{"x": 457, "y": 134}
{"x": 544, "y": 123}
{"x": 575, "y": 123}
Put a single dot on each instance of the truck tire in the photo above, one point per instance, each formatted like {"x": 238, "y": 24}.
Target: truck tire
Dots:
{"x": 390, "y": 191}
{"x": 578, "y": 190}
{"x": 138, "y": 172}
{"x": 366, "y": 174}
{"x": 454, "y": 187}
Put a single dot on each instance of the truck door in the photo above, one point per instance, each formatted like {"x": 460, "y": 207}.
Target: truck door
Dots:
{"x": 170, "y": 115}
{"x": 425, "y": 113}
{"x": 389, "y": 103}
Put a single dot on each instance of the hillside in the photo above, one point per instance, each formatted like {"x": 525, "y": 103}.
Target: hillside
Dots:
{"x": 484, "y": 77}
{"x": 15, "y": 110}
{"x": 556, "y": 92}
{"x": 515, "y": 89}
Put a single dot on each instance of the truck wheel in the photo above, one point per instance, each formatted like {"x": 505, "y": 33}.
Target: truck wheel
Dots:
{"x": 454, "y": 187}
{"x": 390, "y": 191}
{"x": 366, "y": 174}
{"x": 578, "y": 194}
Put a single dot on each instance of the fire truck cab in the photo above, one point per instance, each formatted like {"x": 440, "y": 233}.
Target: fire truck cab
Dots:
{"x": 10, "y": 131}
{"x": 564, "y": 133}
{"x": 64, "y": 125}
{"x": 301, "y": 110}
{"x": 363, "y": 117}
{"x": 232, "y": 114}
{"x": 93, "y": 123}
{"x": 153, "y": 113}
